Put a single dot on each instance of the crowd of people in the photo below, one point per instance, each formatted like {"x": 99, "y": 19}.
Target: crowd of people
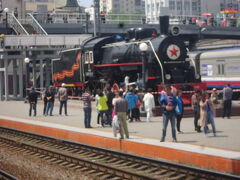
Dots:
{"x": 204, "y": 108}
{"x": 117, "y": 106}
{"x": 48, "y": 96}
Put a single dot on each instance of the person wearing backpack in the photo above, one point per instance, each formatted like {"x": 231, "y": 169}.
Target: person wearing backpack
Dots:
{"x": 179, "y": 110}
{"x": 168, "y": 104}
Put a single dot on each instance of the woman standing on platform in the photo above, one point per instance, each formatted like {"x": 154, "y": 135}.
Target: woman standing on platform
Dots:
{"x": 179, "y": 110}
{"x": 103, "y": 108}
{"x": 206, "y": 114}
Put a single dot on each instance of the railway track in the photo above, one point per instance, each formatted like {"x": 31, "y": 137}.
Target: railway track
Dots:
{"x": 102, "y": 163}
{"x": 5, "y": 176}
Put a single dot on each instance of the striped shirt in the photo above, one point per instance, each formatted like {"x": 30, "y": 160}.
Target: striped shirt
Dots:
{"x": 86, "y": 98}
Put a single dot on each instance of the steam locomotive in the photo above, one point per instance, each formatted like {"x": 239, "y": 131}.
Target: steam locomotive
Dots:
{"x": 111, "y": 59}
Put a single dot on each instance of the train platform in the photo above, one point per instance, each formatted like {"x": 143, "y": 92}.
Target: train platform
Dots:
{"x": 221, "y": 153}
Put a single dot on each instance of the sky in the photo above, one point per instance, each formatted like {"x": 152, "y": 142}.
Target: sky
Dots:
{"x": 85, "y": 3}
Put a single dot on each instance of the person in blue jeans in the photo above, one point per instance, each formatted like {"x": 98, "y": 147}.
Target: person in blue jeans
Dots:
{"x": 168, "y": 103}
{"x": 179, "y": 110}
{"x": 87, "y": 107}
{"x": 50, "y": 96}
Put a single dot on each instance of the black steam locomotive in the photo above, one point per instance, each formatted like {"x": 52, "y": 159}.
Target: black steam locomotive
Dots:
{"x": 111, "y": 59}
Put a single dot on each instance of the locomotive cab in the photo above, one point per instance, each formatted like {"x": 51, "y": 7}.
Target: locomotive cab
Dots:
{"x": 92, "y": 55}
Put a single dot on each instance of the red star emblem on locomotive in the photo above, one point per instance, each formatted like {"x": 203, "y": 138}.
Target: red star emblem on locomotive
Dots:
{"x": 173, "y": 52}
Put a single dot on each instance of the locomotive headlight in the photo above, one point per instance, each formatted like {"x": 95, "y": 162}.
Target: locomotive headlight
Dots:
{"x": 168, "y": 76}
{"x": 143, "y": 47}
{"x": 26, "y": 60}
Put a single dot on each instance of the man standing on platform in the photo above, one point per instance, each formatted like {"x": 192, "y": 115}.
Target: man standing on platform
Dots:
{"x": 121, "y": 108}
{"x": 227, "y": 101}
{"x": 50, "y": 96}
{"x": 195, "y": 100}
{"x": 169, "y": 113}
{"x": 32, "y": 98}
{"x": 63, "y": 97}
{"x": 87, "y": 108}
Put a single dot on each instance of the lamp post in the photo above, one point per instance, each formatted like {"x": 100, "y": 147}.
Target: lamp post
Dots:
{"x": 143, "y": 48}
{"x": 27, "y": 61}
{"x": 6, "y": 11}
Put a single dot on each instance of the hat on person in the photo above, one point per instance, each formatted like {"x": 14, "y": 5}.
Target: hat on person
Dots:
{"x": 214, "y": 89}
{"x": 63, "y": 84}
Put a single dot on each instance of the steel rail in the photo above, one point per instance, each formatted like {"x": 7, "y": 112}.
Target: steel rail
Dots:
{"x": 152, "y": 165}
{"x": 103, "y": 168}
{"x": 5, "y": 176}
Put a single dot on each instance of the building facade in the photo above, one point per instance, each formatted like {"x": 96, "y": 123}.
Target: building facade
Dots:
{"x": 122, "y": 7}
{"x": 43, "y": 5}
{"x": 12, "y": 4}
{"x": 25, "y": 6}
{"x": 155, "y": 8}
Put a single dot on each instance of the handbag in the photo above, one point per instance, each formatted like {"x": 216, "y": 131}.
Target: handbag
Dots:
{"x": 116, "y": 123}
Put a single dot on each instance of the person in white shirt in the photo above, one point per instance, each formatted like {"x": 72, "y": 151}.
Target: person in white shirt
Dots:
{"x": 149, "y": 104}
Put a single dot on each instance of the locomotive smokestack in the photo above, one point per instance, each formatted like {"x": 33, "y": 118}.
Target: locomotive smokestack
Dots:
{"x": 164, "y": 24}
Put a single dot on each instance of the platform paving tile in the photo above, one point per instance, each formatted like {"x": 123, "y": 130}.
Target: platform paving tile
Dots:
{"x": 143, "y": 132}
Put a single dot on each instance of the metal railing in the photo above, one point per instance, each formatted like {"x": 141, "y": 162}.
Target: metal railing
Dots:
{"x": 49, "y": 18}
{"x": 224, "y": 21}
{"x": 81, "y": 18}
{"x": 34, "y": 23}
{"x": 124, "y": 18}
{"x": 16, "y": 25}
{"x": 42, "y": 40}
